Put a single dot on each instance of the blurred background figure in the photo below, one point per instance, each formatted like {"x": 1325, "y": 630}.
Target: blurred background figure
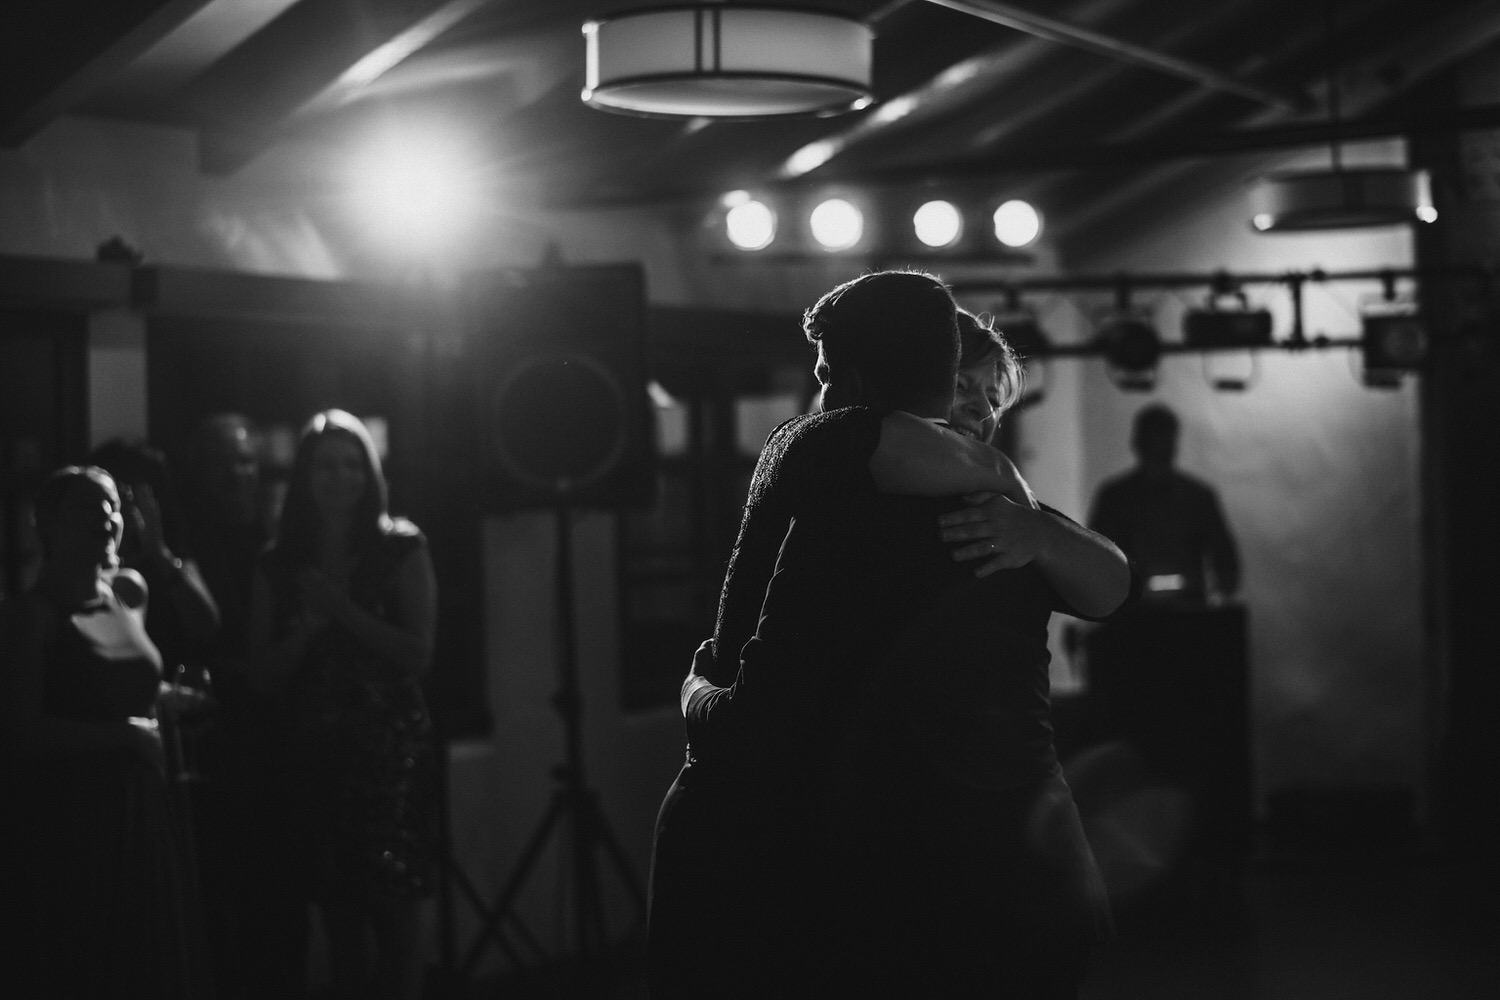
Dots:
{"x": 341, "y": 627}
{"x": 257, "y": 908}
{"x": 98, "y": 886}
{"x": 1170, "y": 524}
{"x": 225, "y": 515}
{"x": 184, "y": 616}
{"x": 1163, "y": 768}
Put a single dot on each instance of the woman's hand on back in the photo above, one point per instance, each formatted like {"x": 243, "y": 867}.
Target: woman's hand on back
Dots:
{"x": 995, "y": 528}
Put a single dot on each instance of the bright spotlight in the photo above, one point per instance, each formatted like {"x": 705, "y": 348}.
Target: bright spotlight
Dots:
{"x": 938, "y": 224}
{"x": 418, "y": 193}
{"x": 836, "y": 224}
{"x": 750, "y": 225}
{"x": 1017, "y": 223}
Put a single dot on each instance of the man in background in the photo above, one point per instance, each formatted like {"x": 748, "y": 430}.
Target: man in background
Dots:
{"x": 1170, "y": 524}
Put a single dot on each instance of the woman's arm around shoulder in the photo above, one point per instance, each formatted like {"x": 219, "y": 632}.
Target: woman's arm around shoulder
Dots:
{"x": 921, "y": 458}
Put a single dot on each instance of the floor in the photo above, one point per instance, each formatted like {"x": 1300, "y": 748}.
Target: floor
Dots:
{"x": 1327, "y": 925}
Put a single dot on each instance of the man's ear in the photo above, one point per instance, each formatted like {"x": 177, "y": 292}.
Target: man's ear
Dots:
{"x": 845, "y": 387}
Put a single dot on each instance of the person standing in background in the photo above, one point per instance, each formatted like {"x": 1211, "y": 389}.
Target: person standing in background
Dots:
{"x": 98, "y": 894}
{"x": 248, "y": 849}
{"x": 184, "y": 618}
{"x": 342, "y": 615}
{"x": 1170, "y": 524}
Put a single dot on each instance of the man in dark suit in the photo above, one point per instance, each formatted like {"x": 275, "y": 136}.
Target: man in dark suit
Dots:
{"x": 832, "y": 616}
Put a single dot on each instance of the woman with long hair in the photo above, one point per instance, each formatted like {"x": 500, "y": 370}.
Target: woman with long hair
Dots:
{"x": 341, "y": 624}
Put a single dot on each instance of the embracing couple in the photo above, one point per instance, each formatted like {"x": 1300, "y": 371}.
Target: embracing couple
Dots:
{"x": 871, "y": 802}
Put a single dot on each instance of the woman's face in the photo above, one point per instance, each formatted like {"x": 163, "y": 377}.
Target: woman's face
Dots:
{"x": 337, "y": 476}
{"x": 88, "y": 526}
{"x": 976, "y": 401}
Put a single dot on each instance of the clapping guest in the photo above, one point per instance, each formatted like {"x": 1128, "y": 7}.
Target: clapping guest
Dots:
{"x": 342, "y": 618}
{"x": 102, "y": 896}
{"x": 184, "y": 617}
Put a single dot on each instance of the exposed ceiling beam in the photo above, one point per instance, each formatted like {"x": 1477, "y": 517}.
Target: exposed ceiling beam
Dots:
{"x": 187, "y": 51}
{"x": 1093, "y": 154}
{"x": 961, "y": 84}
{"x": 247, "y": 97}
{"x": 386, "y": 56}
{"x": 53, "y": 59}
{"x": 1365, "y": 83}
{"x": 1112, "y": 47}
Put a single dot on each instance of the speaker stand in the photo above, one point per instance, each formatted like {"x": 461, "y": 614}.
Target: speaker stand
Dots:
{"x": 574, "y": 809}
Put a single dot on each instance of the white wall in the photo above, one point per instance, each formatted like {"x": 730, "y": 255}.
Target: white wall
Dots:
{"x": 1318, "y": 475}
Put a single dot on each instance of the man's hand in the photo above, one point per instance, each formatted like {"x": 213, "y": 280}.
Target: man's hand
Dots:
{"x": 995, "y": 528}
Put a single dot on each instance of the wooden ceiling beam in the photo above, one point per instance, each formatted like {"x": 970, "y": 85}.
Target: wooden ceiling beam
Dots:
{"x": 316, "y": 48}
{"x": 54, "y": 59}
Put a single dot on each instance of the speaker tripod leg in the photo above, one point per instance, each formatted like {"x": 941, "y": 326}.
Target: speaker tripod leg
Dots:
{"x": 603, "y": 835}
{"x": 506, "y": 897}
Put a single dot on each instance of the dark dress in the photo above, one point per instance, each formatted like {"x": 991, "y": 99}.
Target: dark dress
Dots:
{"x": 102, "y": 885}
{"x": 364, "y": 787}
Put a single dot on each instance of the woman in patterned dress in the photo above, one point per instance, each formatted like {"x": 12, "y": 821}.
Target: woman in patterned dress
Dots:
{"x": 341, "y": 622}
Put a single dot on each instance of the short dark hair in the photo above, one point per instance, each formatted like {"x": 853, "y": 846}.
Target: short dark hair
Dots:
{"x": 980, "y": 343}
{"x": 1155, "y": 418}
{"x": 898, "y": 328}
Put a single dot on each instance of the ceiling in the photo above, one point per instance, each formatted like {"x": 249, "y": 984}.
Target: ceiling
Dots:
{"x": 1076, "y": 103}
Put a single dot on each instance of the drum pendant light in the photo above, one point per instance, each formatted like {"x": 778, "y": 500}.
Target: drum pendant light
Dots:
{"x": 1340, "y": 198}
{"x": 730, "y": 61}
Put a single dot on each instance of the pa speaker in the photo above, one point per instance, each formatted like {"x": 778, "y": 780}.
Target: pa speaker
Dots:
{"x": 559, "y": 370}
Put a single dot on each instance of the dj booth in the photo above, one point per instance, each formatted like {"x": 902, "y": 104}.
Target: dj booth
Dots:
{"x": 1171, "y": 681}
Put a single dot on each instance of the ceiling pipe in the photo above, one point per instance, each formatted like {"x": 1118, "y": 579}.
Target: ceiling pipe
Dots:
{"x": 1082, "y": 156}
{"x": 1117, "y": 48}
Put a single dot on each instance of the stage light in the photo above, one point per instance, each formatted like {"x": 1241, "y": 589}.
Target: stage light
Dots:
{"x": 836, "y": 224}
{"x": 418, "y": 191}
{"x": 1394, "y": 341}
{"x": 1214, "y": 325}
{"x": 938, "y": 224}
{"x": 736, "y": 61}
{"x": 1132, "y": 348}
{"x": 1017, "y": 223}
{"x": 750, "y": 225}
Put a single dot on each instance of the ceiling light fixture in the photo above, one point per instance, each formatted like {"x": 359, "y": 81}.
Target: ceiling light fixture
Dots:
{"x": 1338, "y": 198}
{"x": 728, "y": 61}
{"x": 1017, "y": 223}
{"x": 937, "y": 224}
{"x": 836, "y": 224}
{"x": 750, "y": 225}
